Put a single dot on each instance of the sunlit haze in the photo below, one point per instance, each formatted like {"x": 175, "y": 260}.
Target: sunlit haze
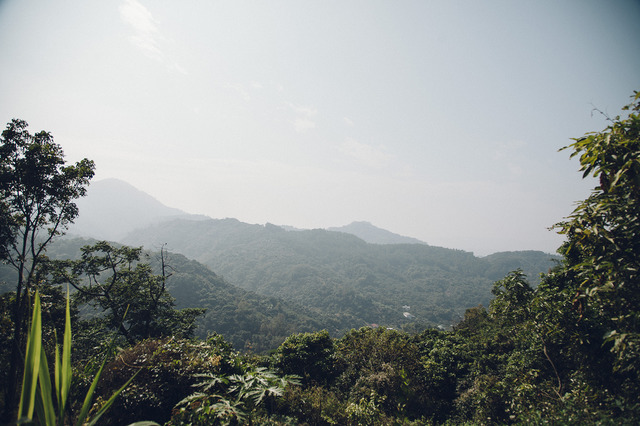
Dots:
{"x": 439, "y": 120}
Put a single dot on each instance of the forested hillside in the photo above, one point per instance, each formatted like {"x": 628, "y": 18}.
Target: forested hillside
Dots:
{"x": 311, "y": 280}
{"x": 339, "y": 274}
{"x": 249, "y": 321}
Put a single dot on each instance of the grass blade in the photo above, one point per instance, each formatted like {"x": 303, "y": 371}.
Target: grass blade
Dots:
{"x": 32, "y": 363}
{"x": 108, "y": 404}
{"x": 57, "y": 372}
{"x": 65, "y": 373}
{"x": 44, "y": 402}
{"x": 86, "y": 405}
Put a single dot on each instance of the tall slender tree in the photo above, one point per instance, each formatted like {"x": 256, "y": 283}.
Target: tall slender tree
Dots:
{"x": 37, "y": 193}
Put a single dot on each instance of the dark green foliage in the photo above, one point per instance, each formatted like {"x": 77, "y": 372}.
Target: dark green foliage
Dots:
{"x": 603, "y": 247}
{"x": 513, "y": 296}
{"x": 374, "y": 376}
{"x": 338, "y": 274}
{"x": 133, "y": 300}
{"x": 240, "y": 398}
{"x": 315, "y": 405}
{"x": 308, "y": 355}
{"x": 385, "y": 363}
{"x": 168, "y": 370}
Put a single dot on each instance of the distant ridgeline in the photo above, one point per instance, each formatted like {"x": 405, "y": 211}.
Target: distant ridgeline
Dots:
{"x": 374, "y": 235}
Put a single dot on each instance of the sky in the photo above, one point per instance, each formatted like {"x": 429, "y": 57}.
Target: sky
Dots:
{"x": 439, "y": 120}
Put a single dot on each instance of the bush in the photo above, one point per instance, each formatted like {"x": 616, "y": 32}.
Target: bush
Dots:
{"x": 167, "y": 369}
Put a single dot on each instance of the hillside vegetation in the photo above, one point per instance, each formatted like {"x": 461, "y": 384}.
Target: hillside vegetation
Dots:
{"x": 249, "y": 321}
{"x": 339, "y": 274}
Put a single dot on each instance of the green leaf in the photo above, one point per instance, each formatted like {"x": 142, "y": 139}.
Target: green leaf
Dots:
{"x": 65, "y": 373}
{"x": 32, "y": 363}
{"x": 86, "y": 405}
{"x": 108, "y": 404}
{"x": 44, "y": 401}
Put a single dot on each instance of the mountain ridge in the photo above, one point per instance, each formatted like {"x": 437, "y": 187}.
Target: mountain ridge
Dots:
{"x": 374, "y": 235}
{"x": 113, "y": 207}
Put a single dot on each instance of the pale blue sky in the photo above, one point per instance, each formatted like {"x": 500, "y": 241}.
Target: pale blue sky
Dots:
{"x": 440, "y": 120}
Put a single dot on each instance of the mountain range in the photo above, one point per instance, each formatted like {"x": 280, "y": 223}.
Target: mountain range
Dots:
{"x": 260, "y": 283}
{"x": 112, "y": 208}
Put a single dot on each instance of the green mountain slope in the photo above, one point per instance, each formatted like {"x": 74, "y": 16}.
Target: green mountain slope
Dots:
{"x": 531, "y": 262}
{"x": 336, "y": 273}
{"x": 247, "y": 320}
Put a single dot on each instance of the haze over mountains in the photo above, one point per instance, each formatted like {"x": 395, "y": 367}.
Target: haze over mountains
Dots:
{"x": 374, "y": 235}
{"x": 113, "y": 208}
{"x": 261, "y": 283}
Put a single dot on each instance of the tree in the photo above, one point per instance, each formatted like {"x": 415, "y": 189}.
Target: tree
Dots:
{"x": 308, "y": 355}
{"x": 603, "y": 234}
{"x": 513, "y": 294}
{"x": 135, "y": 301}
{"x": 37, "y": 193}
{"x": 577, "y": 335}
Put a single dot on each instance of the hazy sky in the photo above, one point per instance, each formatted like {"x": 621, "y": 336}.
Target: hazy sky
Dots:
{"x": 439, "y": 120}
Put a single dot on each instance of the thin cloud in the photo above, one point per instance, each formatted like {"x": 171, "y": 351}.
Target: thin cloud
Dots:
{"x": 146, "y": 34}
{"x": 365, "y": 154}
{"x": 303, "y": 124}
{"x": 145, "y": 28}
{"x": 303, "y": 121}
{"x": 303, "y": 110}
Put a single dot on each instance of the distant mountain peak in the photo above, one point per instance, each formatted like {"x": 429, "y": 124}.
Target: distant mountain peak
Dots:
{"x": 374, "y": 235}
{"x": 112, "y": 208}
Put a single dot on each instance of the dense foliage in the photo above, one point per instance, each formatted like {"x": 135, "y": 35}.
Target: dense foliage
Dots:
{"x": 341, "y": 275}
{"x": 247, "y": 320}
{"x": 131, "y": 299}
